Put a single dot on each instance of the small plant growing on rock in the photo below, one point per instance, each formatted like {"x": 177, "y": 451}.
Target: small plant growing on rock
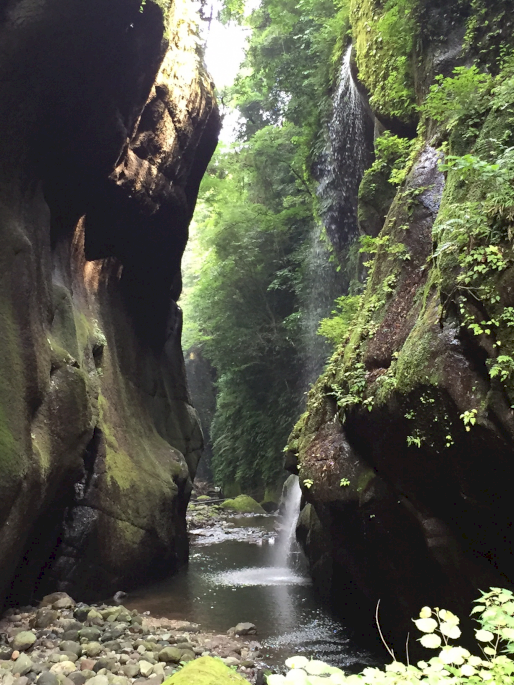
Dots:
{"x": 469, "y": 418}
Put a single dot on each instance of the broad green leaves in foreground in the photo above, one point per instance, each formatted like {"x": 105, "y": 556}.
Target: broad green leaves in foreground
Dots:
{"x": 453, "y": 665}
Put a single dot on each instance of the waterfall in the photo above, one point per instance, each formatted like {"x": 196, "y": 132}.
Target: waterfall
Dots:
{"x": 287, "y": 537}
{"x": 322, "y": 283}
{"x": 347, "y": 153}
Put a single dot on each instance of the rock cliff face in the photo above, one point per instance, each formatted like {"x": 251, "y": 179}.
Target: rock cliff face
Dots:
{"x": 107, "y": 122}
{"x": 406, "y": 450}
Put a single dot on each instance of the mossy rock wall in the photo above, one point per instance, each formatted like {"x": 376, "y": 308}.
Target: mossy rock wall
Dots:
{"x": 405, "y": 453}
{"x": 107, "y": 124}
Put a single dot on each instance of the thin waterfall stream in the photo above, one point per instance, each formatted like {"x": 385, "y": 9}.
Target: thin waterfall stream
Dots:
{"x": 248, "y": 571}
{"x": 249, "y": 568}
{"x": 286, "y": 541}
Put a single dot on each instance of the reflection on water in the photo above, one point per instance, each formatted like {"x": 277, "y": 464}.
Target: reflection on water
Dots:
{"x": 266, "y": 576}
{"x": 232, "y": 582}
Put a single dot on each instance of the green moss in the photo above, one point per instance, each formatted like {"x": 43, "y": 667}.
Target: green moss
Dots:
{"x": 206, "y": 671}
{"x": 130, "y": 533}
{"x": 8, "y": 448}
{"x": 364, "y": 479}
{"x": 417, "y": 362}
{"x": 243, "y": 504}
{"x": 13, "y": 456}
{"x": 384, "y": 36}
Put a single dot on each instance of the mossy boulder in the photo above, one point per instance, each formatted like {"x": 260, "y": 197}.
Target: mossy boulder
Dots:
{"x": 244, "y": 504}
{"x": 203, "y": 498}
{"x": 206, "y": 671}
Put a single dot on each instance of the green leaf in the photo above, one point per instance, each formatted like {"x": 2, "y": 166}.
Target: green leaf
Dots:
{"x": 426, "y": 625}
{"x": 431, "y": 641}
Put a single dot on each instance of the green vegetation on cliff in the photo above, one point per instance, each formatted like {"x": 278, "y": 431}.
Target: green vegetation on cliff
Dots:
{"x": 247, "y": 292}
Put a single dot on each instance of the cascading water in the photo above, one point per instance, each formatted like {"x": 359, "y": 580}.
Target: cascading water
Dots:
{"x": 322, "y": 283}
{"x": 287, "y": 537}
{"x": 347, "y": 153}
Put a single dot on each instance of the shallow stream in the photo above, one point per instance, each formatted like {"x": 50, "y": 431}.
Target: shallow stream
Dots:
{"x": 235, "y": 580}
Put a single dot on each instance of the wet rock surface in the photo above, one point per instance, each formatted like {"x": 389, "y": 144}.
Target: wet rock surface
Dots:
{"x": 103, "y": 143}
{"x": 114, "y": 646}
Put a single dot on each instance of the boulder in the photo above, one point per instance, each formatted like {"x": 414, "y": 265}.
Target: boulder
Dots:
{"x": 243, "y": 504}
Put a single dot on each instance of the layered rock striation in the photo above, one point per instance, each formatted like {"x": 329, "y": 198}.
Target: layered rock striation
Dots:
{"x": 107, "y": 123}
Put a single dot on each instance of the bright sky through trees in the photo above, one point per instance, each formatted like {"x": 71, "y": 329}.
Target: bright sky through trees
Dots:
{"x": 225, "y": 50}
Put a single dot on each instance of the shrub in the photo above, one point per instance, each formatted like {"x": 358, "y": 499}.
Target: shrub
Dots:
{"x": 452, "y": 664}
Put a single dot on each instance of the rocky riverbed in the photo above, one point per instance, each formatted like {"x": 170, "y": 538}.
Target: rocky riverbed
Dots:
{"x": 209, "y": 523}
{"x": 64, "y": 643}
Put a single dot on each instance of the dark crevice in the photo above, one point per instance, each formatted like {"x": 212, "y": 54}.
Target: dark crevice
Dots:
{"x": 34, "y": 577}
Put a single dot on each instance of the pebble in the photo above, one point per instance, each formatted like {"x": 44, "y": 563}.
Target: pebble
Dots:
{"x": 63, "y": 668}
{"x": 77, "y": 644}
{"x": 70, "y": 646}
{"x": 77, "y": 678}
{"x": 22, "y": 665}
{"x": 131, "y": 670}
{"x": 90, "y": 634}
{"x": 87, "y": 664}
{"x": 23, "y": 640}
{"x": 45, "y": 618}
{"x": 99, "y": 680}
{"x": 170, "y": 654}
{"x": 92, "y": 649}
{"x": 48, "y": 678}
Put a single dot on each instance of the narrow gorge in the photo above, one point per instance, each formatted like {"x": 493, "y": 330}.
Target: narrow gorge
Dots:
{"x": 211, "y": 282}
